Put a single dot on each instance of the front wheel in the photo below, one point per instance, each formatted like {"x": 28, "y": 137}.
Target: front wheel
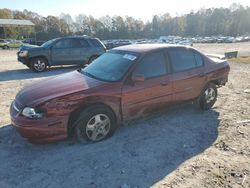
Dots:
{"x": 38, "y": 64}
{"x": 94, "y": 124}
{"x": 92, "y": 59}
{"x": 208, "y": 97}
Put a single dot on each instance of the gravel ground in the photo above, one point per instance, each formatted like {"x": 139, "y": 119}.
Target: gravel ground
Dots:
{"x": 181, "y": 147}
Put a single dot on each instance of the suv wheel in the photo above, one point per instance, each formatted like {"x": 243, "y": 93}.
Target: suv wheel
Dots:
{"x": 92, "y": 59}
{"x": 94, "y": 124}
{"x": 5, "y": 47}
{"x": 38, "y": 64}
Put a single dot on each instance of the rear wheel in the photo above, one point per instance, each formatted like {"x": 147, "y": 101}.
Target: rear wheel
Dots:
{"x": 5, "y": 47}
{"x": 38, "y": 64}
{"x": 91, "y": 59}
{"x": 94, "y": 124}
{"x": 208, "y": 97}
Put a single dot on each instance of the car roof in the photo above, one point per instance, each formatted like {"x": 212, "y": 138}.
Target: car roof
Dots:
{"x": 76, "y": 37}
{"x": 145, "y": 48}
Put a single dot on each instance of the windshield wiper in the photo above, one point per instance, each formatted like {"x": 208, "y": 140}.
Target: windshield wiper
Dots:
{"x": 88, "y": 74}
{"x": 92, "y": 76}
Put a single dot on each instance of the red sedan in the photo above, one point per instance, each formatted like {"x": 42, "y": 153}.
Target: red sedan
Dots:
{"x": 124, "y": 83}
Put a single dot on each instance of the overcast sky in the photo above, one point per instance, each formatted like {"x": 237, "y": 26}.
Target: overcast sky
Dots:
{"x": 143, "y": 9}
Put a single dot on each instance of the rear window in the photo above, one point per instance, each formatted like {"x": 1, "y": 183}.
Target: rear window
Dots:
{"x": 83, "y": 43}
{"x": 198, "y": 59}
{"x": 96, "y": 43}
{"x": 181, "y": 59}
{"x": 64, "y": 43}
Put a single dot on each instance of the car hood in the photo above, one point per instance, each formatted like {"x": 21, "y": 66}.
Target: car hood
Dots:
{"x": 27, "y": 47}
{"x": 44, "y": 90}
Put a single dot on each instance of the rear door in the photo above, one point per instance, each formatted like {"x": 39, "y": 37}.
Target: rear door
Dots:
{"x": 188, "y": 73}
{"x": 154, "y": 93}
{"x": 82, "y": 50}
{"x": 62, "y": 53}
{"x": 70, "y": 51}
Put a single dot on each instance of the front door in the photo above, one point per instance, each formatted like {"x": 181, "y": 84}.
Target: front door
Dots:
{"x": 152, "y": 94}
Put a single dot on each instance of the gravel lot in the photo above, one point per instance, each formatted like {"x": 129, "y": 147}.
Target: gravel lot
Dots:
{"x": 181, "y": 147}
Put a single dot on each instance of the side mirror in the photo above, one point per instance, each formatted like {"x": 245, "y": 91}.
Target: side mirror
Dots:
{"x": 138, "y": 78}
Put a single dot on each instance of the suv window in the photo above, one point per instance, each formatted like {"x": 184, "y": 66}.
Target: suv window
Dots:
{"x": 83, "y": 43}
{"x": 64, "y": 43}
{"x": 181, "y": 59}
{"x": 96, "y": 43}
{"x": 75, "y": 43}
{"x": 72, "y": 43}
{"x": 152, "y": 65}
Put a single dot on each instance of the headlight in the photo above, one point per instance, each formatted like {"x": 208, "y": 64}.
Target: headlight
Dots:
{"x": 31, "y": 113}
{"x": 23, "y": 53}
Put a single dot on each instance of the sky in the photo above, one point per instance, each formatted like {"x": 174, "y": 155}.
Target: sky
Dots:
{"x": 140, "y": 9}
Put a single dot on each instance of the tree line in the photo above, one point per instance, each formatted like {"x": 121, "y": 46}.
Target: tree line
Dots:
{"x": 230, "y": 21}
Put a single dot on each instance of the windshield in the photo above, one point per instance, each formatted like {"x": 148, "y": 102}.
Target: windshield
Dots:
{"x": 109, "y": 66}
{"x": 48, "y": 43}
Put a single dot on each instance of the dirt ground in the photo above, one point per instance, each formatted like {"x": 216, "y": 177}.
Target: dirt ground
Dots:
{"x": 181, "y": 147}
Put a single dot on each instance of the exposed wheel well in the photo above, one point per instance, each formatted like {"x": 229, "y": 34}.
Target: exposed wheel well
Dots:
{"x": 75, "y": 114}
{"x": 219, "y": 82}
{"x": 215, "y": 82}
{"x": 31, "y": 58}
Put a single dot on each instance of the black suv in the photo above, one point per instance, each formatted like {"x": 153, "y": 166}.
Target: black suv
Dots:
{"x": 77, "y": 50}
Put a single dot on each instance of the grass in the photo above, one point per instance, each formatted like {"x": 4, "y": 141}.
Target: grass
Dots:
{"x": 243, "y": 59}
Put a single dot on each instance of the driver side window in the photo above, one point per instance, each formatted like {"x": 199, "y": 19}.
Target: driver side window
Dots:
{"x": 63, "y": 43}
{"x": 152, "y": 65}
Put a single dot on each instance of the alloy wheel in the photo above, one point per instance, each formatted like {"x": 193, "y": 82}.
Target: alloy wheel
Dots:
{"x": 98, "y": 127}
{"x": 39, "y": 65}
{"x": 209, "y": 95}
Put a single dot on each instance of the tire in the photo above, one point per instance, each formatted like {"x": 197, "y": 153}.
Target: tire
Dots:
{"x": 94, "y": 124}
{"x": 92, "y": 59}
{"x": 38, "y": 64}
{"x": 5, "y": 47}
{"x": 208, "y": 97}
{"x": 89, "y": 61}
